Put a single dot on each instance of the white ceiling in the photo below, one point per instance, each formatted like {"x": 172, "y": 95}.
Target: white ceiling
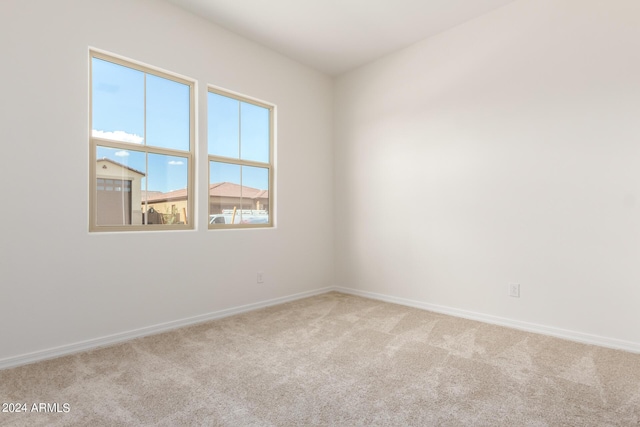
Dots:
{"x": 335, "y": 36}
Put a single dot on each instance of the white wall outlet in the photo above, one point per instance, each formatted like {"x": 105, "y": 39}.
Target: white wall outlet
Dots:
{"x": 260, "y": 277}
{"x": 514, "y": 290}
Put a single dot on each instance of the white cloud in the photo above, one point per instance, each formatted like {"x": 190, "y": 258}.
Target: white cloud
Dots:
{"x": 121, "y": 153}
{"x": 176, "y": 162}
{"x": 118, "y": 135}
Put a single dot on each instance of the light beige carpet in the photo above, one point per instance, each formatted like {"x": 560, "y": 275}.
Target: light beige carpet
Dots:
{"x": 334, "y": 360}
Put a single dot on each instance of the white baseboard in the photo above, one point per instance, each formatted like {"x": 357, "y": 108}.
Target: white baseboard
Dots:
{"x": 94, "y": 343}
{"x": 495, "y": 320}
{"x": 91, "y": 344}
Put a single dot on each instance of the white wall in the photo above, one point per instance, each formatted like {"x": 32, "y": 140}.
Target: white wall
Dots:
{"x": 60, "y": 285}
{"x": 518, "y": 134}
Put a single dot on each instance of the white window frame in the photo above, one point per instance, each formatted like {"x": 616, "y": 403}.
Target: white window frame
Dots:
{"x": 189, "y": 221}
{"x": 240, "y": 162}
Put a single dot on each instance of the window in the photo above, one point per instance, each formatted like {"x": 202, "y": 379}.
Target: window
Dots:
{"x": 141, "y": 147}
{"x": 240, "y": 142}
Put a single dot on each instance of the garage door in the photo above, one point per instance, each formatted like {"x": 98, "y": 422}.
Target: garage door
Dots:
{"x": 114, "y": 201}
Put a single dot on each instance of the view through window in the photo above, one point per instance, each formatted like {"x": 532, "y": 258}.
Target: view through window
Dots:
{"x": 240, "y": 145}
{"x": 142, "y": 130}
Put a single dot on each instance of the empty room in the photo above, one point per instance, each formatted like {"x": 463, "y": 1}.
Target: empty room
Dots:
{"x": 345, "y": 213}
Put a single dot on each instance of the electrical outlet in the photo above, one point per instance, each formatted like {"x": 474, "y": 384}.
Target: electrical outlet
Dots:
{"x": 260, "y": 277}
{"x": 514, "y": 290}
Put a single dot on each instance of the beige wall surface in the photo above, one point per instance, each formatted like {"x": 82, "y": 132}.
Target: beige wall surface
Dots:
{"x": 60, "y": 291}
{"x": 518, "y": 134}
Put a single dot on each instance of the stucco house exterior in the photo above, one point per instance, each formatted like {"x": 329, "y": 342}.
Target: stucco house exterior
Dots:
{"x": 222, "y": 196}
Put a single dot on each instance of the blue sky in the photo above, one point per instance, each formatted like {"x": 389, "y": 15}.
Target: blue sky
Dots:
{"x": 118, "y": 107}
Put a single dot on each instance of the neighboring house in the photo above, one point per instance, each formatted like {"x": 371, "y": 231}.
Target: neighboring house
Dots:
{"x": 118, "y": 193}
{"x": 227, "y": 195}
{"x": 172, "y": 205}
{"x": 222, "y": 196}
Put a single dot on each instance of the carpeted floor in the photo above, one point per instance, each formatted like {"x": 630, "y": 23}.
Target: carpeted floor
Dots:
{"x": 333, "y": 360}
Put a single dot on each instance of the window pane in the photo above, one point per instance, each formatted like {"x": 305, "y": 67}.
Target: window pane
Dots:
{"x": 255, "y": 191}
{"x": 225, "y": 193}
{"x": 249, "y": 201}
{"x": 224, "y": 126}
{"x": 120, "y": 180}
{"x": 254, "y": 131}
{"x": 166, "y": 187}
{"x": 117, "y": 102}
{"x": 167, "y": 113}
{"x": 138, "y": 188}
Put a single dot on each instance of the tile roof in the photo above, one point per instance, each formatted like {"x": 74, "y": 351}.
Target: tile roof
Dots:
{"x": 219, "y": 189}
{"x": 104, "y": 159}
{"x": 229, "y": 189}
